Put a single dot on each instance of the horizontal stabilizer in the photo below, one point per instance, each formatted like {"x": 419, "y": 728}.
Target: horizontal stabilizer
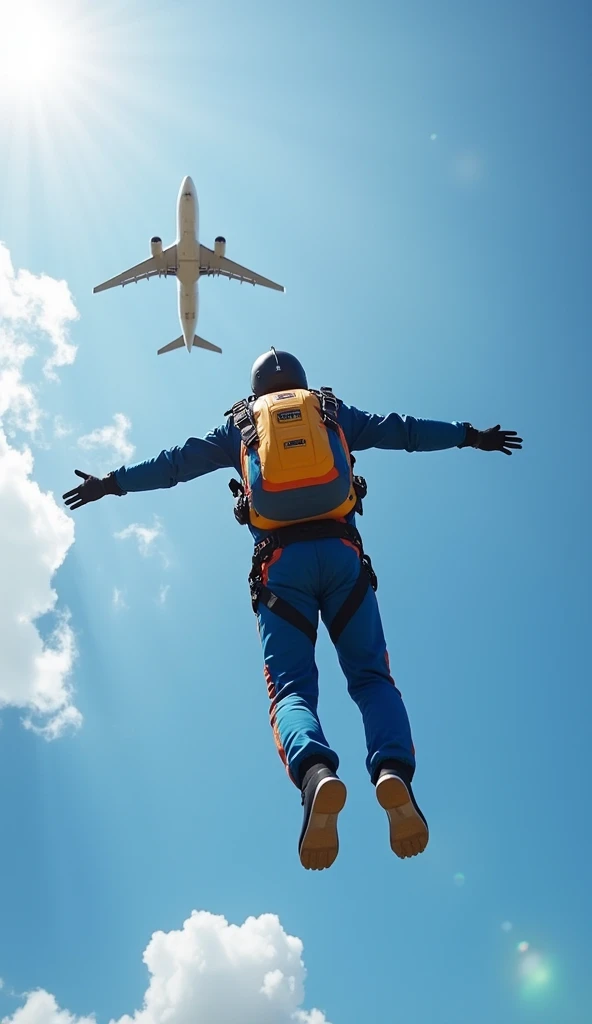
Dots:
{"x": 177, "y": 343}
{"x": 202, "y": 343}
{"x": 180, "y": 343}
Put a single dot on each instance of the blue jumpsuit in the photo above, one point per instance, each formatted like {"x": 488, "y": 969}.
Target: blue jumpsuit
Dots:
{"x": 315, "y": 577}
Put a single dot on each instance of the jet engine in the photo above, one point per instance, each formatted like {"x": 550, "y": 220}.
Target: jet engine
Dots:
{"x": 220, "y": 245}
{"x": 156, "y": 246}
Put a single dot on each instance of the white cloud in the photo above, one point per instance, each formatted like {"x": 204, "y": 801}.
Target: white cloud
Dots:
{"x": 113, "y": 436}
{"x": 209, "y": 971}
{"x": 118, "y": 600}
{"x": 18, "y": 404}
{"x": 144, "y": 535}
{"x": 61, "y": 429}
{"x": 163, "y": 593}
{"x": 36, "y": 303}
{"x": 42, "y": 1008}
{"x": 35, "y": 534}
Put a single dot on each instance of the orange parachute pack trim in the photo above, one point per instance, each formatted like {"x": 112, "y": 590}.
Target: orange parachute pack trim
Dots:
{"x": 298, "y": 468}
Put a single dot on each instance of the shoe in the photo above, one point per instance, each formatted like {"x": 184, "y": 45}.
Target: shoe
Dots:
{"x": 323, "y": 797}
{"x": 409, "y": 833}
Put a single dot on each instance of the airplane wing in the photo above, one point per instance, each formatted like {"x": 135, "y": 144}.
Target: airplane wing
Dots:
{"x": 155, "y": 266}
{"x": 210, "y": 265}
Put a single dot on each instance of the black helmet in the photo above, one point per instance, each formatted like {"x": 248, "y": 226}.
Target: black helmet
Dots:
{"x": 276, "y": 371}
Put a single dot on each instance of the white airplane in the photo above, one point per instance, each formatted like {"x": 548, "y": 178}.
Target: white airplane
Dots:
{"x": 188, "y": 260}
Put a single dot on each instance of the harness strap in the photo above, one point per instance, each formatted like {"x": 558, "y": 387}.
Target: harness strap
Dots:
{"x": 244, "y": 422}
{"x": 286, "y": 612}
{"x": 350, "y": 605}
{"x": 318, "y": 529}
{"x": 330, "y": 414}
{"x": 329, "y": 407}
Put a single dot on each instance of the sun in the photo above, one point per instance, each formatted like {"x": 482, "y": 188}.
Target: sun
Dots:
{"x": 35, "y": 50}
{"x": 78, "y": 99}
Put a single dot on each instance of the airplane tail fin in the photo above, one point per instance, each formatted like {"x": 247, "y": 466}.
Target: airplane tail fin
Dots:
{"x": 177, "y": 343}
{"x": 202, "y": 343}
{"x": 180, "y": 343}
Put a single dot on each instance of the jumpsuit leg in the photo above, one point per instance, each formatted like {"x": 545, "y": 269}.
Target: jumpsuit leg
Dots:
{"x": 289, "y": 659}
{"x": 363, "y": 657}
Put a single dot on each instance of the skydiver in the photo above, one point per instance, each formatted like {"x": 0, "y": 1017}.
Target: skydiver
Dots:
{"x": 305, "y": 566}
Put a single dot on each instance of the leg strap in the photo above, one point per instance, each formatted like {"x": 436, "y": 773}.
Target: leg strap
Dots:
{"x": 350, "y": 605}
{"x": 319, "y": 530}
{"x": 287, "y": 612}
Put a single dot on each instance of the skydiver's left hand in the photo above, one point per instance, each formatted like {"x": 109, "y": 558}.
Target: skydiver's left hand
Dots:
{"x": 492, "y": 440}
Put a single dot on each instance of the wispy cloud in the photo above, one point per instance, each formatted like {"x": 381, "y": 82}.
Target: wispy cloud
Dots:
{"x": 209, "y": 970}
{"x": 143, "y": 535}
{"x": 61, "y": 429}
{"x": 113, "y": 437}
{"x": 35, "y": 534}
{"x": 117, "y": 599}
{"x": 163, "y": 593}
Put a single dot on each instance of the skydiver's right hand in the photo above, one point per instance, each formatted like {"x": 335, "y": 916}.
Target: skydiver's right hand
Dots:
{"x": 91, "y": 489}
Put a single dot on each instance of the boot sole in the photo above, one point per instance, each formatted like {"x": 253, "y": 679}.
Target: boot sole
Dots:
{"x": 408, "y": 831}
{"x": 320, "y": 842}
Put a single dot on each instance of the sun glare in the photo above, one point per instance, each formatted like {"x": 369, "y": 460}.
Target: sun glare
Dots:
{"x": 34, "y": 51}
{"x": 77, "y": 104}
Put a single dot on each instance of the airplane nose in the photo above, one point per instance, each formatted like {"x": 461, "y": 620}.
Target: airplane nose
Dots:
{"x": 187, "y": 185}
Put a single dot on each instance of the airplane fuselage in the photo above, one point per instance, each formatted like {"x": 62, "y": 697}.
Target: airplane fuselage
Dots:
{"x": 188, "y": 259}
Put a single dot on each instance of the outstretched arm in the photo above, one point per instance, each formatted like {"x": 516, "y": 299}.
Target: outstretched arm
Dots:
{"x": 407, "y": 433}
{"x": 198, "y": 456}
{"x": 401, "y": 433}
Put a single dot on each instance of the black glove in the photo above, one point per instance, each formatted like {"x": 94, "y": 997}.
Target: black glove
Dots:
{"x": 91, "y": 489}
{"x": 491, "y": 440}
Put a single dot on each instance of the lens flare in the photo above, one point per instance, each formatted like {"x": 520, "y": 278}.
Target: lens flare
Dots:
{"x": 523, "y": 947}
{"x": 459, "y": 879}
{"x": 507, "y": 926}
{"x": 534, "y": 971}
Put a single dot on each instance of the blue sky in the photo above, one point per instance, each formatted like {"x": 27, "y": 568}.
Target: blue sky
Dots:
{"x": 445, "y": 277}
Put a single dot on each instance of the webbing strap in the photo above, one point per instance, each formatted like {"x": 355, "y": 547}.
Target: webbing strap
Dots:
{"x": 286, "y": 611}
{"x": 244, "y": 422}
{"x": 318, "y": 529}
{"x": 350, "y": 605}
{"x": 329, "y": 407}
